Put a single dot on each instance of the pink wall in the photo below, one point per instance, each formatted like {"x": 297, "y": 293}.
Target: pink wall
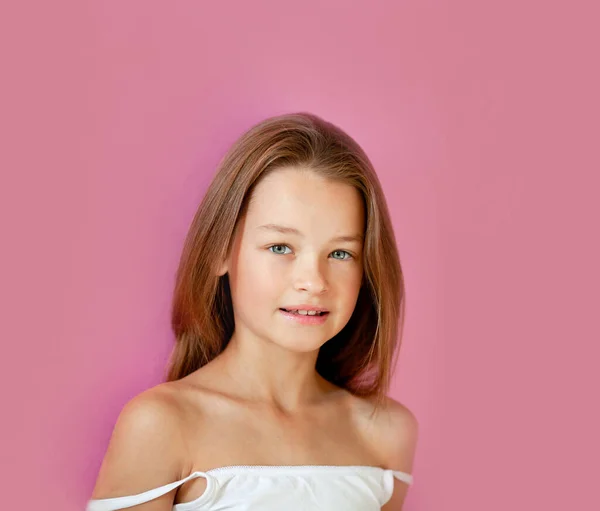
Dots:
{"x": 482, "y": 119}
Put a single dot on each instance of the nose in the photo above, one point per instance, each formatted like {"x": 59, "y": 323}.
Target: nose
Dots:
{"x": 310, "y": 277}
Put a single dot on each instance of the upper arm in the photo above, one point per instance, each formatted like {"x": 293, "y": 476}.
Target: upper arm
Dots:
{"x": 400, "y": 431}
{"x": 144, "y": 452}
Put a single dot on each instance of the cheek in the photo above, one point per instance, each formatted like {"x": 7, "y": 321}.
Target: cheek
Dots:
{"x": 349, "y": 287}
{"x": 258, "y": 279}
{"x": 349, "y": 278}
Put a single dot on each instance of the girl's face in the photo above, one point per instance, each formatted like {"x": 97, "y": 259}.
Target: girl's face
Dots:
{"x": 271, "y": 268}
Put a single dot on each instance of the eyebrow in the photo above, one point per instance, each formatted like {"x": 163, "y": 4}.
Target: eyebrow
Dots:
{"x": 291, "y": 230}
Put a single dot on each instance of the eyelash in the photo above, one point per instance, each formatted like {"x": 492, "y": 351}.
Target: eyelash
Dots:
{"x": 282, "y": 245}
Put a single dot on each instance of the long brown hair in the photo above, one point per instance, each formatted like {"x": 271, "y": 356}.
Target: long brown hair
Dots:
{"x": 361, "y": 357}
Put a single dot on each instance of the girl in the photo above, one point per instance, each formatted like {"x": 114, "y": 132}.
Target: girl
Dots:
{"x": 288, "y": 302}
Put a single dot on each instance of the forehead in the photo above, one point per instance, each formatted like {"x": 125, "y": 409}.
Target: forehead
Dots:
{"x": 301, "y": 198}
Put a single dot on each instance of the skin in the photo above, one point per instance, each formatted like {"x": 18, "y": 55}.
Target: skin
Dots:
{"x": 261, "y": 401}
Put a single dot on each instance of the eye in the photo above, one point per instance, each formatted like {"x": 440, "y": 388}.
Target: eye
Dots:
{"x": 342, "y": 252}
{"x": 278, "y": 246}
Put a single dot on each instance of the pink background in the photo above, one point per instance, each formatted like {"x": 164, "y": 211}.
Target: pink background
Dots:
{"x": 482, "y": 120}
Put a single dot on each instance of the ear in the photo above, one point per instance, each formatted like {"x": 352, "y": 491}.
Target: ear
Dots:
{"x": 226, "y": 262}
{"x": 223, "y": 269}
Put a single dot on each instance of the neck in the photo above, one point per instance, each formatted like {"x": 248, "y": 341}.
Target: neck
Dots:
{"x": 266, "y": 372}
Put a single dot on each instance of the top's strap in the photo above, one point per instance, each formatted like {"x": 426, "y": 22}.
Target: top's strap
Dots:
{"x": 403, "y": 476}
{"x": 114, "y": 503}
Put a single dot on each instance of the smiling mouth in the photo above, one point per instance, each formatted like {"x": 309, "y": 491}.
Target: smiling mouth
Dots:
{"x": 305, "y": 313}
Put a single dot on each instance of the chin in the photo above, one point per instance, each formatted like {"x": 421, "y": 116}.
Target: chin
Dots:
{"x": 300, "y": 345}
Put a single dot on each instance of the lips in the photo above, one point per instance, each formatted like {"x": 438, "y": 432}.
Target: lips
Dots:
{"x": 306, "y": 312}
{"x": 304, "y": 306}
{"x": 298, "y": 318}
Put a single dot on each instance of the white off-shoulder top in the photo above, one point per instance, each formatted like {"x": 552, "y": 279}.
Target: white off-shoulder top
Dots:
{"x": 270, "y": 488}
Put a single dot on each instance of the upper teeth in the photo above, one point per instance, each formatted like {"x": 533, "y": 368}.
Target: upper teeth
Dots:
{"x": 305, "y": 312}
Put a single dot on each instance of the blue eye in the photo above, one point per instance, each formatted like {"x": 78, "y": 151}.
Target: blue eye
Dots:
{"x": 348, "y": 254}
{"x": 273, "y": 246}
{"x": 342, "y": 252}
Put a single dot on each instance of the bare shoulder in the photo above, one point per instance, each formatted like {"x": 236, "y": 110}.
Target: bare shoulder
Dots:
{"x": 400, "y": 431}
{"x": 392, "y": 430}
{"x": 146, "y": 447}
{"x": 397, "y": 422}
